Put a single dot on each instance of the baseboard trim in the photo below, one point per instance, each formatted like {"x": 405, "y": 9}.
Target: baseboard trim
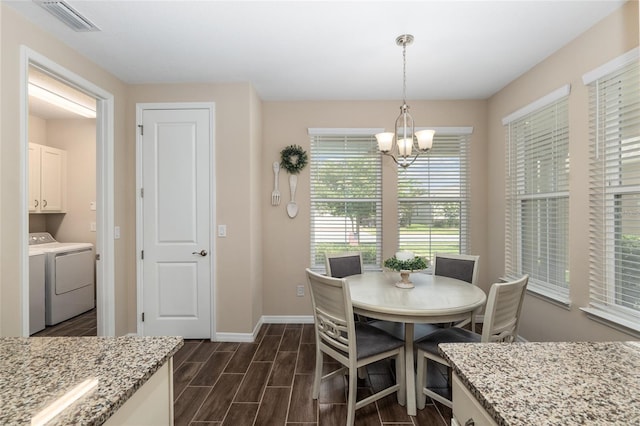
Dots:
{"x": 287, "y": 319}
{"x": 265, "y": 319}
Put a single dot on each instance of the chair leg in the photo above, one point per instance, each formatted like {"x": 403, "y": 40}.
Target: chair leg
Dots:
{"x": 317, "y": 377}
{"x": 421, "y": 380}
{"x": 351, "y": 399}
{"x": 362, "y": 373}
{"x": 401, "y": 378}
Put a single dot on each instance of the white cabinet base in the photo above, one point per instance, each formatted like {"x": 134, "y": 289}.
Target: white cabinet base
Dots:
{"x": 466, "y": 408}
{"x": 151, "y": 405}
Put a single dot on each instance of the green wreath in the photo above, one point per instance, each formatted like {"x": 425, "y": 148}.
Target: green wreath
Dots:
{"x": 293, "y": 159}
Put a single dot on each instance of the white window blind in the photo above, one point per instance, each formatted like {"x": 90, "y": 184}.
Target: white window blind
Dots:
{"x": 433, "y": 199}
{"x": 537, "y": 198}
{"x": 614, "y": 196}
{"x": 346, "y": 197}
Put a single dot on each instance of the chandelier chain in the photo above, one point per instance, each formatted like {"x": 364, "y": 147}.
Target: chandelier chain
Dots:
{"x": 404, "y": 73}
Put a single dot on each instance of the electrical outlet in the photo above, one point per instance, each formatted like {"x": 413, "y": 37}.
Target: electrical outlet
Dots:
{"x": 300, "y": 290}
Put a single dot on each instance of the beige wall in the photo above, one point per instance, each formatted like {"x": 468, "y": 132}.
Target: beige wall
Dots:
{"x": 238, "y": 257}
{"x": 259, "y": 263}
{"x": 610, "y": 38}
{"x": 15, "y": 31}
{"x": 78, "y": 138}
{"x": 286, "y": 241}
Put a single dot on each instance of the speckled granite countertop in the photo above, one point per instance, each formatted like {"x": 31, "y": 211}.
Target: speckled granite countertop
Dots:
{"x": 577, "y": 383}
{"x": 35, "y": 371}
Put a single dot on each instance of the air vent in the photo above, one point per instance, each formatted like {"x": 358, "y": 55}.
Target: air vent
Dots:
{"x": 68, "y": 15}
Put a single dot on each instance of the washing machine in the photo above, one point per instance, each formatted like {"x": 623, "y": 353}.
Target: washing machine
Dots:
{"x": 69, "y": 277}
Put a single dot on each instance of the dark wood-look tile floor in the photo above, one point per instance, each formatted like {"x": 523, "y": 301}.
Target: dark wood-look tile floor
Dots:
{"x": 269, "y": 382}
{"x": 82, "y": 325}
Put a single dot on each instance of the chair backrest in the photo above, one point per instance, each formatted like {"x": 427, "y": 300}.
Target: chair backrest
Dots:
{"x": 333, "y": 315}
{"x": 340, "y": 265}
{"x": 463, "y": 267}
{"x": 502, "y": 313}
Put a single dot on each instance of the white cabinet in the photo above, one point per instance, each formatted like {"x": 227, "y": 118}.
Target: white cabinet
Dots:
{"x": 151, "y": 405}
{"x": 466, "y": 408}
{"x": 47, "y": 179}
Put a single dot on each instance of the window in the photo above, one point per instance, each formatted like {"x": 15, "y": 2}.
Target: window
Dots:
{"x": 433, "y": 197}
{"x": 537, "y": 195}
{"x": 614, "y": 197}
{"x": 346, "y": 195}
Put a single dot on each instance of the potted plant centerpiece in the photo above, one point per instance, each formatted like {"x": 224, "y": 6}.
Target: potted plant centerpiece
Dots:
{"x": 406, "y": 262}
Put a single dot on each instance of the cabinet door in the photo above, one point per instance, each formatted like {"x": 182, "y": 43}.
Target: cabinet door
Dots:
{"x": 52, "y": 179}
{"x": 34, "y": 178}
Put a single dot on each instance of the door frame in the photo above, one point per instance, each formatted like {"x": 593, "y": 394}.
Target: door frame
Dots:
{"x": 105, "y": 266}
{"x": 140, "y": 108}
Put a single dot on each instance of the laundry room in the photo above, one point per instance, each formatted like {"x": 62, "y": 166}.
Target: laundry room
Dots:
{"x": 62, "y": 205}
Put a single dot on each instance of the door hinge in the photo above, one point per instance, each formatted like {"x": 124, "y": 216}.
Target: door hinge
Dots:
{"x": 142, "y": 254}
{"x": 141, "y": 192}
{"x": 143, "y": 317}
{"x": 97, "y": 256}
{"x": 141, "y": 129}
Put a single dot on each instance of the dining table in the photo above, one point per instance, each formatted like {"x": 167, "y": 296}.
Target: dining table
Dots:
{"x": 433, "y": 299}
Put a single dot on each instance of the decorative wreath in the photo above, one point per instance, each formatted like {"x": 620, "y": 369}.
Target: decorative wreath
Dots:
{"x": 293, "y": 159}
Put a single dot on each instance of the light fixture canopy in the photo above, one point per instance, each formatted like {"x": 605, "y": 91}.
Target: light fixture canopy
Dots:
{"x": 406, "y": 139}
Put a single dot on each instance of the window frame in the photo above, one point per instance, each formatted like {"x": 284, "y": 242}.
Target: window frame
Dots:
{"x": 609, "y": 183}
{"x": 319, "y": 135}
{"x": 458, "y": 138}
{"x": 517, "y": 193}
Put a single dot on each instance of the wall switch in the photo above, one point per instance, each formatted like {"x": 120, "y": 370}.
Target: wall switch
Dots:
{"x": 116, "y": 233}
{"x": 222, "y": 230}
{"x": 300, "y": 290}
{"x": 92, "y": 205}
{"x": 92, "y": 227}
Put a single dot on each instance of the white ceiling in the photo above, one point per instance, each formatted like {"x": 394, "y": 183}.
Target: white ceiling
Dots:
{"x": 326, "y": 50}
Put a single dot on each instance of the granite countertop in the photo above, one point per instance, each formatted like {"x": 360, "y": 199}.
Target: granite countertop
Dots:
{"x": 38, "y": 370}
{"x": 552, "y": 383}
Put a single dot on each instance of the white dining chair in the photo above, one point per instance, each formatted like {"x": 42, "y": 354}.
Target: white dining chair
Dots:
{"x": 343, "y": 264}
{"x": 353, "y": 344}
{"x": 463, "y": 267}
{"x": 502, "y": 317}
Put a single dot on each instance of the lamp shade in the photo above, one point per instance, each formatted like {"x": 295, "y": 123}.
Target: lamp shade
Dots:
{"x": 425, "y": 139}
{"x": 404, "y": 146}
{"x": 385, "y": 141}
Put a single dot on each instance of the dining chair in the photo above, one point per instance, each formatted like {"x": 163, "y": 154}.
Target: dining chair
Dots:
{"x": 502, "y": 317}
{"x": 340, "y": 265}
{"x": 344, "y": 264}
{"x": 463, "y": 267}
{"x": 353, "y": 344}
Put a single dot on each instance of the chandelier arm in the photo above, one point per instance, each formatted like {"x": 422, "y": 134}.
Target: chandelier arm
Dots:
{"x": 403, "y": 165}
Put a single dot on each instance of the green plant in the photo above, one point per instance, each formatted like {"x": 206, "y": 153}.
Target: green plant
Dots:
{"x": 416, "y": 264}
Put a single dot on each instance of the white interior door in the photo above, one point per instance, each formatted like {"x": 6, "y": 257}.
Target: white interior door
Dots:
{"x": 176, "y": 265}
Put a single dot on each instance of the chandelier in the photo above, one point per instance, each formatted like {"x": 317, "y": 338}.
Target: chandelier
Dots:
{"x": 404, "y": 135}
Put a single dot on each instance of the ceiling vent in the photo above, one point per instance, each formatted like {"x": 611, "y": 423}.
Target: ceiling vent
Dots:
{"x": 71, "y": 17}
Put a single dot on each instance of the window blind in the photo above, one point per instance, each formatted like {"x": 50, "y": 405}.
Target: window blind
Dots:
{"x": 614, "y": 197}
{"x": 537, "y": 199}
{"x": 346, "y": 197}
{"x": 433, "y": 199}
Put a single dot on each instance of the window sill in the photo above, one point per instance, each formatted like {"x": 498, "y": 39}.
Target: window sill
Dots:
{"x": 553, "y": 298}
{"x": 614, "y": 321}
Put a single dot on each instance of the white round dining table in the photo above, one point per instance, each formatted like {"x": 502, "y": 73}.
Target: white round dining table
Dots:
{"x": 434, "y": 299}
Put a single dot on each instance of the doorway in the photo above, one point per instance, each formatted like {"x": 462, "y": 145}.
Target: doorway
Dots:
{"x": 104, "y": 215}
{"x": 175, "y": 216}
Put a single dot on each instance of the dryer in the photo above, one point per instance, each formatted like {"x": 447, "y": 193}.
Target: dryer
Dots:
{"x": 69, "y": 277}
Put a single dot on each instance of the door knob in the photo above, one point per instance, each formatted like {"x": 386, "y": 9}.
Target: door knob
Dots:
{"x": 201, "y": 253}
